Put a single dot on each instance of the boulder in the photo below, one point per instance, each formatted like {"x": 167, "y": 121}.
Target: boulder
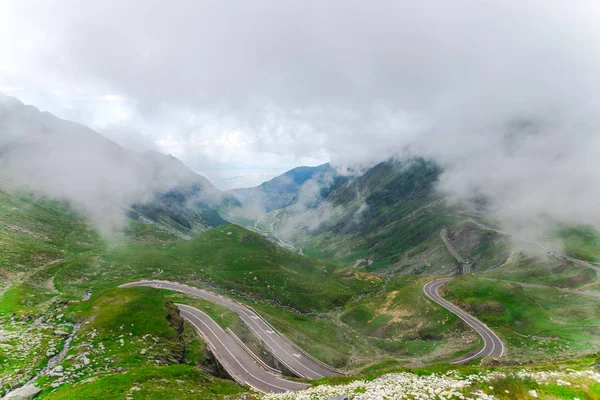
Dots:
{"x": 26, "y": 392}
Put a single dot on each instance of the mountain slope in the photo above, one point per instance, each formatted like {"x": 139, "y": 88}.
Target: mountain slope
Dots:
{"x": 389, "y": 211}
{"x": 284, "y": 189}
{"x": 61, "y": 159}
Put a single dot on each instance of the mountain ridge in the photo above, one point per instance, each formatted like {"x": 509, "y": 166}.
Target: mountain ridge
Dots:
{"x": 66, "y": 160}
{"x": 284, "y": 189}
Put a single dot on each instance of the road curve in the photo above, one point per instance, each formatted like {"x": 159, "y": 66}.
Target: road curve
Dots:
{"x": 236, "y": 359}
{"x": 283, "y": 349}
{"x": 465, "y": 269}
{"x": 492, "y": 345}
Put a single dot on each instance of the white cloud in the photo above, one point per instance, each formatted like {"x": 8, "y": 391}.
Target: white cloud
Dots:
{"x": 495, "y": 92}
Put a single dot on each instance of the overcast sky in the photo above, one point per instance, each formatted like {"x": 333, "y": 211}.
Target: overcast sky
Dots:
{"x": 503, "y": 94}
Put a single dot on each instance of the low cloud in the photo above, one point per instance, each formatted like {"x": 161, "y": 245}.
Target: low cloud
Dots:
{"x": 502, "y": 95}
{"x": 64, "y": 160}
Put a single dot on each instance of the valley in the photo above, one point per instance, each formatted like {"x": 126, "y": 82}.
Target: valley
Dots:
{"x": 344, "y": 316}
{"x": 312, "y": 280}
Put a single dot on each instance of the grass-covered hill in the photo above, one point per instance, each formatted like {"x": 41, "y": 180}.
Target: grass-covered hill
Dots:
{"x": 536, "y": 324}
{"x": 50, "y": 256}
{"x": 228, "y": 257}
{"x": 132, "y": 342}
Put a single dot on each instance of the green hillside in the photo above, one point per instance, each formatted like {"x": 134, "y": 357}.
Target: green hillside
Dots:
{"x": 228, "y": 257}
{"x": 51, "y": 257}
{"x": 389, "y": 212}
{"x": 536, "y": 324}
{"x": 133, "y": 338}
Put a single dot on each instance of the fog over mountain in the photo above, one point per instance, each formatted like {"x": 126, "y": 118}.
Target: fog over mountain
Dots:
{"x": 67, "y": 161}
{"x": 503, "y": 97}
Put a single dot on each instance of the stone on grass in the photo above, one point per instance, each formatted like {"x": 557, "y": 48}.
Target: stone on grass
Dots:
{"x": 23, "y": 393}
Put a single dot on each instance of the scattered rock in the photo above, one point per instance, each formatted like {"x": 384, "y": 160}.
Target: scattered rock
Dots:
{"x": 533, "y": 393}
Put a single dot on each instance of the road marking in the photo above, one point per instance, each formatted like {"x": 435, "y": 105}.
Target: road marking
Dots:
{"x": 230, "y": 353}
{"x": 261, "y": 330}
{"x": 431, "y": 290}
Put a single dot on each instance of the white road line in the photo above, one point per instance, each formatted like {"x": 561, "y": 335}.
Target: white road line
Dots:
{"x": 431, "y": 290}
{"x": 242, "y": 311}
{"x": 225, "y": 347}
{"x": 290, "y": 354}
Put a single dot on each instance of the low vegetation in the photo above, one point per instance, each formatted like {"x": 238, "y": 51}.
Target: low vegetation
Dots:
{"x": 536, "y": 324}
{"x": 552, "y": 381}
{"x": 133, "y": 342}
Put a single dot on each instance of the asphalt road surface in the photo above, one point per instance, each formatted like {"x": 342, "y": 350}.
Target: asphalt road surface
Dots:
{"x": 282, "y": 348}
{"x": 464, "y": 266}
{"x": 236, "y": 359}
{"x": 492, "y": 345}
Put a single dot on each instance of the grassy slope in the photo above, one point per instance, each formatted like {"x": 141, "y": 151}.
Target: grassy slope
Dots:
{"x": 581, "y": 242}
{"x": 493, "y": 256}
{"x": 83, "y": 261}
{"x": 535, "y": 323}
{"x": 133, "y": 338}
{"x": 382, "y": 215}
{"x": 549, "y": 271}
{"x": 36, "y": 236}
{"x": 229, "y": 257}
{"x": 405, "y": 324}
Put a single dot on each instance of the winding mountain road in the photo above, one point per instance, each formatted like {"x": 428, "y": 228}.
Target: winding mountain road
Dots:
{"x": 283, "y": 349}
{"x": 465, "y": 269}
{"x": 492, "y": 345}
{"x": 237, "y": 360}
